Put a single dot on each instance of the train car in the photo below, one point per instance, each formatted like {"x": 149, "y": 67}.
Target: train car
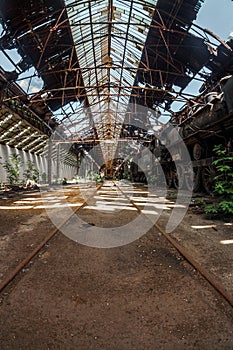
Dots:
{"x": 202, "y": 124}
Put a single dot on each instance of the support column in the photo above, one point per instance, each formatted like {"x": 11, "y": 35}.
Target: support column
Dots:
{"x": 78, "y": 163}
{"x": 58, "y": 162}
{"x": 49, "y": 162}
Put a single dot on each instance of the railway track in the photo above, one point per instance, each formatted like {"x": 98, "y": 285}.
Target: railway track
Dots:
{"x": 127, "y": 194}
{"x": 11, "y": 276}
{"x": 208, "y": 276}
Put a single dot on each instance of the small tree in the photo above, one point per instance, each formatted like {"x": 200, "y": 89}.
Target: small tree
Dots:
{"x": 44, "y": 177}
{"x": 13, "y": 168}
{"x": 152, "y": 180}
{"x": 97, "y": 177}
{"x": 223, "y": 183}
{"x": 31, "y": 173}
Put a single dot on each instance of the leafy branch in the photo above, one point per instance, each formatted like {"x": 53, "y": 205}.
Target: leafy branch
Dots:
{"x": 223, "y": 189}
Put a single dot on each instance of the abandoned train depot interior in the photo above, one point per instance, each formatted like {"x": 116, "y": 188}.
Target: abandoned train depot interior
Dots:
{"x": 116, "y": 174}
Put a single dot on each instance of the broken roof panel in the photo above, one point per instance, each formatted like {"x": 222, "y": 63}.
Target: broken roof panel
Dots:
{"x": 107, "y": 37}
{"x": 40, "y": 32}
{"x": 103, "y": 54}
{"x": 171, "y": 54}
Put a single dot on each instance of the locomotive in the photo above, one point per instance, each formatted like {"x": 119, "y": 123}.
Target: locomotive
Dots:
{"x": 202, "y": 124}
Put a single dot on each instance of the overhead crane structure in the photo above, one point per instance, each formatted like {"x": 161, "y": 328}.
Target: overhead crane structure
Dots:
{"x": 100, "y": 64}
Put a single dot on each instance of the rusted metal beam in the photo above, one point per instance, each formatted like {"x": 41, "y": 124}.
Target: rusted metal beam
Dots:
{"x": 49, "y": 36}
{"x": 93, "y": 47}
{"x": 215, "y": 36}
{"x": 110, "y": 17}
{"x": 124, "y": 52}
{"x": 104, "y": 67}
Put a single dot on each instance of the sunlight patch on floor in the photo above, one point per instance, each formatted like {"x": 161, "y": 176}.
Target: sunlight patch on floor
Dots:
{"x": 227, "y": 241}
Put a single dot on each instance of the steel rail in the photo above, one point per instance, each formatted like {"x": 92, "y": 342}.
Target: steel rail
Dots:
{"x": 38, "y": 248}
{"x": 218, "y": 286}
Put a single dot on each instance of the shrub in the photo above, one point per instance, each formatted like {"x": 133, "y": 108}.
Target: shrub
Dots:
{"x": 13, "y": 168}
{"x": 31, "y": 173}
{"x": 97, "y": 177}
{"x": 223, "y": 189}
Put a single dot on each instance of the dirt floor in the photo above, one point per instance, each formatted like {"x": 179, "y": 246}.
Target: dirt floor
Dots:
{"x": 142, "y": 295}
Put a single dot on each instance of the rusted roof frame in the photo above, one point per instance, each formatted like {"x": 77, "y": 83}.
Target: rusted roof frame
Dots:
{"x": 35, "y": 30}
{"x": 166, "y": 19}
{"x": 121, "y": 86}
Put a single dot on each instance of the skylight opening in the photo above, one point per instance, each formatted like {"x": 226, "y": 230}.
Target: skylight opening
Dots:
{"x": 30, "y": 82}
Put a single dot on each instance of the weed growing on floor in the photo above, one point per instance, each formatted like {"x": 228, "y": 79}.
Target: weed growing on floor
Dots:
{"x": 223, "y": 190}
{"x": 12, "y": 167}
{"x": 31, "y": 173}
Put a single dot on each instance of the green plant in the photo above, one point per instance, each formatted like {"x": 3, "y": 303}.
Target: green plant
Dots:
{"x": 125, "y": 176}
{"x": 64, "y": 181}
{"x": 223, "y": 207}
{"x": 97, "y": 177}
{"x": 199, "y": 201}
{"x": 31, "y": 173}
{"x": 44, "y": 177}
{"x": 223, "y": 188}
{"x": 152, "y": 180}
{"x": 13, "y": 168}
